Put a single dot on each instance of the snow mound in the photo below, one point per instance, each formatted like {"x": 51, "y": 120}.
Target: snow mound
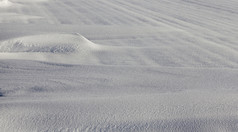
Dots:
{"x": 53, "y": 47}
{"x": 49, "y": 43}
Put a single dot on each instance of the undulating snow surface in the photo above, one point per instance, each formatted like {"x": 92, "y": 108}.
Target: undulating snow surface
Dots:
{"x": 119, "y": 65}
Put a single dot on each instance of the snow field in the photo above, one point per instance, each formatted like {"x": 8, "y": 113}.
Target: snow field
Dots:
{"x": 118, "y": 65}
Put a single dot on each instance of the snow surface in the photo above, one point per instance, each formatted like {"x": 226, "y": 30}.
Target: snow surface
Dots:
{"x": 118, "y": 65}
{"x": 5, "y": 3}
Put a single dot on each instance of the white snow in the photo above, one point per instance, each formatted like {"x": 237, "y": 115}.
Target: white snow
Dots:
{"x": 53, "y": 43}
{"x": 5, "y": 3}
{"x": 118, "y": 65}
{"x": 61, "y": 48}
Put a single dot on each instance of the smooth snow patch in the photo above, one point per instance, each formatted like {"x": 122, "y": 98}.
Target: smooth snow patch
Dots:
{"x": 13, "y": 17}
{"x": 5, "y": 3}
{"x": 32, "y": 1}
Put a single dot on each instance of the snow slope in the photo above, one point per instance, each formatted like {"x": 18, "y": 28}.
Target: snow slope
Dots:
{"x": 118, "y": 65}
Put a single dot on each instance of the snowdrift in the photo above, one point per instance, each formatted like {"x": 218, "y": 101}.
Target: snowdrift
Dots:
{"x": 51, "y": 43}
{"x": 67, "y": 48}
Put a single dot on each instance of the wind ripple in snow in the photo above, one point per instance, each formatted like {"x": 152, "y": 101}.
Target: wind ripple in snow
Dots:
{"x": 183, "y": 74}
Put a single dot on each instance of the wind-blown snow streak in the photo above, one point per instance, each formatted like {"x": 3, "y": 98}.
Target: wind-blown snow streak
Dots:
{"x": 118, "y": 65}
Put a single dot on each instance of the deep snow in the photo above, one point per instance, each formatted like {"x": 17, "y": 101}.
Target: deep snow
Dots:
{"x": 118, "y": 65}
